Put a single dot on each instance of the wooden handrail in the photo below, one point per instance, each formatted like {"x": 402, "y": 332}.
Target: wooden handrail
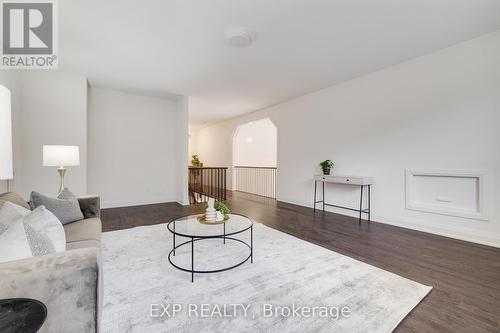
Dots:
{"x": 254, "y": 167}
{"x": 205, "y": 168}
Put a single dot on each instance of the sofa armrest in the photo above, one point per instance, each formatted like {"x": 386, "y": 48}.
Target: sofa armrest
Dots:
{"x": 90, "y": 206}
{"x": 66, "y": 282}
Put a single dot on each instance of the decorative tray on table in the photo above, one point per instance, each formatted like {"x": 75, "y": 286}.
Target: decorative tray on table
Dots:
{"x": 203, "y": 219}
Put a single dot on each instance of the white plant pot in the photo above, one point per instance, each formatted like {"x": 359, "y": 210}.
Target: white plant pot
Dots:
{"x": 219, "y": 216}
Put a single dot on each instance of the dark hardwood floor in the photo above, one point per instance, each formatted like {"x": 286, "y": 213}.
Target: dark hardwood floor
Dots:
{"x": 465, "y": 276}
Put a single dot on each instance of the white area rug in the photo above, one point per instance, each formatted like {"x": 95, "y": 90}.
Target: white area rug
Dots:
{"x": 286, "y": 271}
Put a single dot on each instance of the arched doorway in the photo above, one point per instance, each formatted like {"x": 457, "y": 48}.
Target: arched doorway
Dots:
{"x": 255, "y": 153}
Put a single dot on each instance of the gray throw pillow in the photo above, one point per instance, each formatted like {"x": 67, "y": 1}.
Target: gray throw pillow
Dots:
{"x": 65, "y": 207}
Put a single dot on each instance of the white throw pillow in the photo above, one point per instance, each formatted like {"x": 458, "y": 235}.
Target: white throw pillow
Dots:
{"x": 20, "y": 209}
{"x": 45, "y": 232}
{"x": 14, "y": 243}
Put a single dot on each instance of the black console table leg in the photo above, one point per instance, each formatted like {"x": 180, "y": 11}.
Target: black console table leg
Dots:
{"x": 361, "y": 204}
{"x": 323, "y": 197}
{"x": 314, "y": 202}
{"x": 369, "y": 201}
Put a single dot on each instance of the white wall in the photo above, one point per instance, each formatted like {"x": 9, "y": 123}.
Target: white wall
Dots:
{"x": 136, "y": 141}
{"x": 54, "y": 111}
{"x": 48, "y": 108}
{"x": 255, "y": 144}
{"x": 439, "y": 111}
{"x": 193, "y": 144}
{"x": 132, "y": 148}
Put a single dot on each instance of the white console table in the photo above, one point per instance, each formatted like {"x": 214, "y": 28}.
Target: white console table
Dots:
{"x": 360, "y": 181}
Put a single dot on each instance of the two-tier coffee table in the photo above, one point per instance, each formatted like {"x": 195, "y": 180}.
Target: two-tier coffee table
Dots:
{"x": 189, "y": 227}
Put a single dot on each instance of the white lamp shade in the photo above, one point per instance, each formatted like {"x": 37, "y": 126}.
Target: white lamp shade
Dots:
{"x": 6, "y": 171}
{"x": 61, "y": 156}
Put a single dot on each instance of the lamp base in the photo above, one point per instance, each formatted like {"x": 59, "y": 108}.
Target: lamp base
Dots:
{"x": 62, "y": 171}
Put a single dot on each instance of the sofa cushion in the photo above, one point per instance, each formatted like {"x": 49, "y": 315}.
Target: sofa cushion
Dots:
{"x": 66, "y": 207}
{"x": 83, "y": 244}
{"x": 87, "y": 229}
{"x": 14, "y": 198}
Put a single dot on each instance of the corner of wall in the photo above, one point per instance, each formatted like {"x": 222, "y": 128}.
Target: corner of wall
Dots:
{"x": 182, "y": 136}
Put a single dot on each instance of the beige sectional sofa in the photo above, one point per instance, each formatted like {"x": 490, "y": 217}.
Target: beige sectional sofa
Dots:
{"x": 68, "y": 283}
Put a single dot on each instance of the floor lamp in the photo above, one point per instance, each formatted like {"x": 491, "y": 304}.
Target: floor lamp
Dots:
{"x": 6, "y": 169}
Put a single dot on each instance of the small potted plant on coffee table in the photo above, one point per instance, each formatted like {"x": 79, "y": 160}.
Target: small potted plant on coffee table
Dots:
{"x": 222, "y": 211}
{"x": 326, "y": 166}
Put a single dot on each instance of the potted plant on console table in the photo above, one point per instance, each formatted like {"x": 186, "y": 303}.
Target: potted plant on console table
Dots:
{"x": 326, "y": 166}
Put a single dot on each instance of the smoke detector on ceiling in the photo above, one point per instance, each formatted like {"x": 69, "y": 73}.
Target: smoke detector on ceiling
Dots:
{"x": 240, "y": 37}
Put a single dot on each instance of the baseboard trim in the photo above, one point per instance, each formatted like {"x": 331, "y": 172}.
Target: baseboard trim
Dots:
{"x": 468, "y": 235}
{"x": 128, "y": 203}
{"x": 464, "y": 234}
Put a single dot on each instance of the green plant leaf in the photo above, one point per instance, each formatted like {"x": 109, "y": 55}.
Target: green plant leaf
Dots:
{"x": 221, "y": 207}
{"x": 327, "y": 164}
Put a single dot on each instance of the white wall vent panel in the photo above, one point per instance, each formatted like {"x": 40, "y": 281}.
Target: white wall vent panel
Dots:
{"x": 448, "y": 192}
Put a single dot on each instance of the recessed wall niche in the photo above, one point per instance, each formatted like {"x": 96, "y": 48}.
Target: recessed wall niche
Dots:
{"x": 458, "y": 193}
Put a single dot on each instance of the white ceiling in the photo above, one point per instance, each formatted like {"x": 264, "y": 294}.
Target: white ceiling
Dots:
{"x": 177, "y": 46}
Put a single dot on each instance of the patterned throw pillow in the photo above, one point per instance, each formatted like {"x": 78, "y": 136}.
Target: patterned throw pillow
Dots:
{"x": 45, "y": 232}
{"x": 40, "y": 244}
{"x": 65, "y": 207}
{"x": 40, "y": 230}
{"x": 13, "y": 239}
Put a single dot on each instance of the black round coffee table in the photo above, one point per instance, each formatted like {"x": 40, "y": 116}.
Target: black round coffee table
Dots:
{"x": 190, "y": 227}
{"x": 21, "y": 315}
